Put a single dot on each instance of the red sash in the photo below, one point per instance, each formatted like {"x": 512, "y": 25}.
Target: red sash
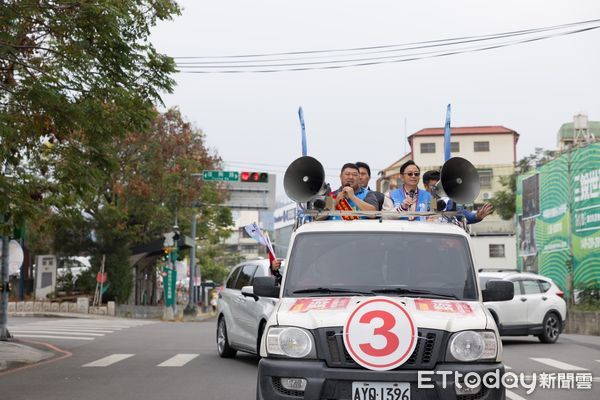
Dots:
{"x": 343, "y": 205}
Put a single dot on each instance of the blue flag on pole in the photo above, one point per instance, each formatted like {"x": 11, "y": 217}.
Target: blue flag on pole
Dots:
{"x": 447, "y": 135}
{"x": 301, "y": 115}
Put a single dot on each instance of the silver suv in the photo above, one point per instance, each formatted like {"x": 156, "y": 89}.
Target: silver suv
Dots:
{"x": 538, "y": 307}
{"x": 241, "y": 314}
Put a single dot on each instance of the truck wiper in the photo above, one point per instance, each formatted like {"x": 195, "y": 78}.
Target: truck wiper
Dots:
{"x": 401, "y": 290}
{"x": 330, "y": 290}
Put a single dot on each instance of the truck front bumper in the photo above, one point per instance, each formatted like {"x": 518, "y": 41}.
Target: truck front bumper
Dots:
{"x": 324, "y": 383}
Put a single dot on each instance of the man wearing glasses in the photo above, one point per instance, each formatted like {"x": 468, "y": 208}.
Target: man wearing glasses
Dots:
{"x": 408, "y": 197}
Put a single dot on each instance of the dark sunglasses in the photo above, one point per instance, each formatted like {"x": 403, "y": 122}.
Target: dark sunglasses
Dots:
{"x": 412, "y": 173}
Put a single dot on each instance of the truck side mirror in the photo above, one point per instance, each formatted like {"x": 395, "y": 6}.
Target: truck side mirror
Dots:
{"x": 498, "y": 291}
{"x": 264, "y": 286}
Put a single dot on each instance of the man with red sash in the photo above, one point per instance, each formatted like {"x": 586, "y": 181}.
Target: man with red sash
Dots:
{"x": 350, "y": 196}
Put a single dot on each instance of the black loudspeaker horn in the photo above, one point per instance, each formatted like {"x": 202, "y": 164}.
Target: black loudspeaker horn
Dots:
{"x": 459, "y": 181}
{"x": 304, "y": 180}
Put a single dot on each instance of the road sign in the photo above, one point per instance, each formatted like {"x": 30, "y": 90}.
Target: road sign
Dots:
{"x": 169, "y": 286}
{"x": 230, "y": 176}
{"x": 380, "y": 334}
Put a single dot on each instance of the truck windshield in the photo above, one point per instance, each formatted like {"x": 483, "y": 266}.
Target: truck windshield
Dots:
{"x": 425, "y": 265}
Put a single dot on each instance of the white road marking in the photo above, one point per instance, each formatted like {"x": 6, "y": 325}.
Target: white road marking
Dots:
{"x": 53, "y": 332}
{"x": 109, "y": 360}
{"x": 558, "y": 364}
{"x": 178, "y": 361}
{"x": 514, "y": 396}
{"x": 507, "y": 367}
{"x": 53, "y": 328}
{"x": 55, "y": 337}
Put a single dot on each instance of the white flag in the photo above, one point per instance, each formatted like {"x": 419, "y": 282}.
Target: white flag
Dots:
{"x": 255, "y": 233}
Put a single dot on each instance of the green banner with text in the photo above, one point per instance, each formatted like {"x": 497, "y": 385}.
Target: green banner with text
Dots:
{"x": 558, "y": 217}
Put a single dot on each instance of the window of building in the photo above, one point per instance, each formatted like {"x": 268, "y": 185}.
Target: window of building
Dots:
{"x": 248, "y": 249}
{"x": 497, "y": 251}
{"x": 454, "y": 147}
{"x": 481, "y": 146}
{"x": 427, "y": 147}
{"x": 485, "y": 178}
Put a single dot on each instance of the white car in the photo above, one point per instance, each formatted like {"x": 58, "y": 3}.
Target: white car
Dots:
{"x": 242, "y": 316}
{"x": 367, "y": 306}
{"x": 538, "y": 307}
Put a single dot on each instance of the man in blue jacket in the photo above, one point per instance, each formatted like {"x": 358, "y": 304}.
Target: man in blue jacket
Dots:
{"x": 409, "y": 197}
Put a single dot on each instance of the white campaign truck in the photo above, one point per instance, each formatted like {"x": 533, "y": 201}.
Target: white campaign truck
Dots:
{"x": 380, "y": 310}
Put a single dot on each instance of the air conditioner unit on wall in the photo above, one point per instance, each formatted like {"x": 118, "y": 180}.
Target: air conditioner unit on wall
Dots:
{"x": 487, "y": 195}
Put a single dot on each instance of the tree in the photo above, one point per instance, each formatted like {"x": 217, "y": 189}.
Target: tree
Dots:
{"x": 75, "y": 77}
{"x": 505, "y": 201}
{"x": 137, "y": 202}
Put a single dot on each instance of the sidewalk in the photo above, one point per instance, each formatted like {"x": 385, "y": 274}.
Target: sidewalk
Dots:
{"x": 14, "y": 354}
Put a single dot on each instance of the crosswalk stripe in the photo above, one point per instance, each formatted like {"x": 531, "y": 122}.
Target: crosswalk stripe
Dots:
{"x": 54, "y": 337}
{"x": 178, "y": 361}
{"x": 17, "y": 331}
{"x": 513, "y": 396}
{"x": 559, "y": 364}
{"x": 109, "y": 360}
{"x": 38, "y": 328}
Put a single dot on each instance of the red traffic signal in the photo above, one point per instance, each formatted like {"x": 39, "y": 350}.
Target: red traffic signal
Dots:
{"x": 247, "y": 176}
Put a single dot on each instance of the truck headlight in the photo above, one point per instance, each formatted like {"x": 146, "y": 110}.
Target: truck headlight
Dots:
{"x": 290, "y": 342}
{"x": 472, "y": 346}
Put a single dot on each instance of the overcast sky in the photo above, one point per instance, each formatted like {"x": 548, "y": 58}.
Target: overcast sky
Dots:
{"x": 359, "y": 113}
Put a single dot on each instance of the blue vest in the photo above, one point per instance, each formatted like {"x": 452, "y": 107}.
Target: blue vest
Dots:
{"x": 423, "y": 200}
{"x": 361, "y": 194}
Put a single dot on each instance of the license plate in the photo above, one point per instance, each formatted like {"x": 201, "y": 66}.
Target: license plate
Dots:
{"x": 380, "y": 391}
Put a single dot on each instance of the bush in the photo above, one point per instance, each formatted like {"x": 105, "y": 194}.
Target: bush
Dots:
{"x": 588, "y": 296}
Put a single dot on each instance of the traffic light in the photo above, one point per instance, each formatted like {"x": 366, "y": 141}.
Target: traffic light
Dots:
{"x": 253, "y": 177}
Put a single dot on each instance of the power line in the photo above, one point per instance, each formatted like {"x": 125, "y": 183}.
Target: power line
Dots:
{"x": 204, "y": 67}
{"x": 427, "y": 42}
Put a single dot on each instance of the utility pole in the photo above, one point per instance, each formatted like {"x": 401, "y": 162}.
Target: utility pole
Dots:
{"x": 191, "y": 307}
{"x": 4, "y": 288}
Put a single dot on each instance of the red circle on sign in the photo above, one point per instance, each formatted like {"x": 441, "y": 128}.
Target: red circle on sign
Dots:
{"x": 378, "y": 332}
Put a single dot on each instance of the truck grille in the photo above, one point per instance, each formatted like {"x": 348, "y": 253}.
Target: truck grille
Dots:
{"x": 426, "y": 354}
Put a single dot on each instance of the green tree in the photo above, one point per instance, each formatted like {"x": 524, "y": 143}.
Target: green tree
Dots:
{"x": 505, "y": 201}
{"x": 216, "y": 262}
{"x": 75, "y": 77}
{"x": 137, "y": 202}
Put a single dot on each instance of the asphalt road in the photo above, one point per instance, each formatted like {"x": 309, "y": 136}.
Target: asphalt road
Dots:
{"x": 127, "y": 359}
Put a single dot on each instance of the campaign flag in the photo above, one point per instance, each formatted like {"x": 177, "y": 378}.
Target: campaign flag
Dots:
{"x": 303, "y": 131}
{"x": 447, "y": 135}
{"x": 270, "y": 247}
{"x": 255, "y": 233}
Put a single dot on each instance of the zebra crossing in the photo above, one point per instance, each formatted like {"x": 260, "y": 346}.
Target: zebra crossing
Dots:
{"x": 178, "y": 360}
{"x": 73, "y": 329}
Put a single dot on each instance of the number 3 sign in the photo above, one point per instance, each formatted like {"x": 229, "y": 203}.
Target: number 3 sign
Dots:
{"x": 380, "y": 334}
